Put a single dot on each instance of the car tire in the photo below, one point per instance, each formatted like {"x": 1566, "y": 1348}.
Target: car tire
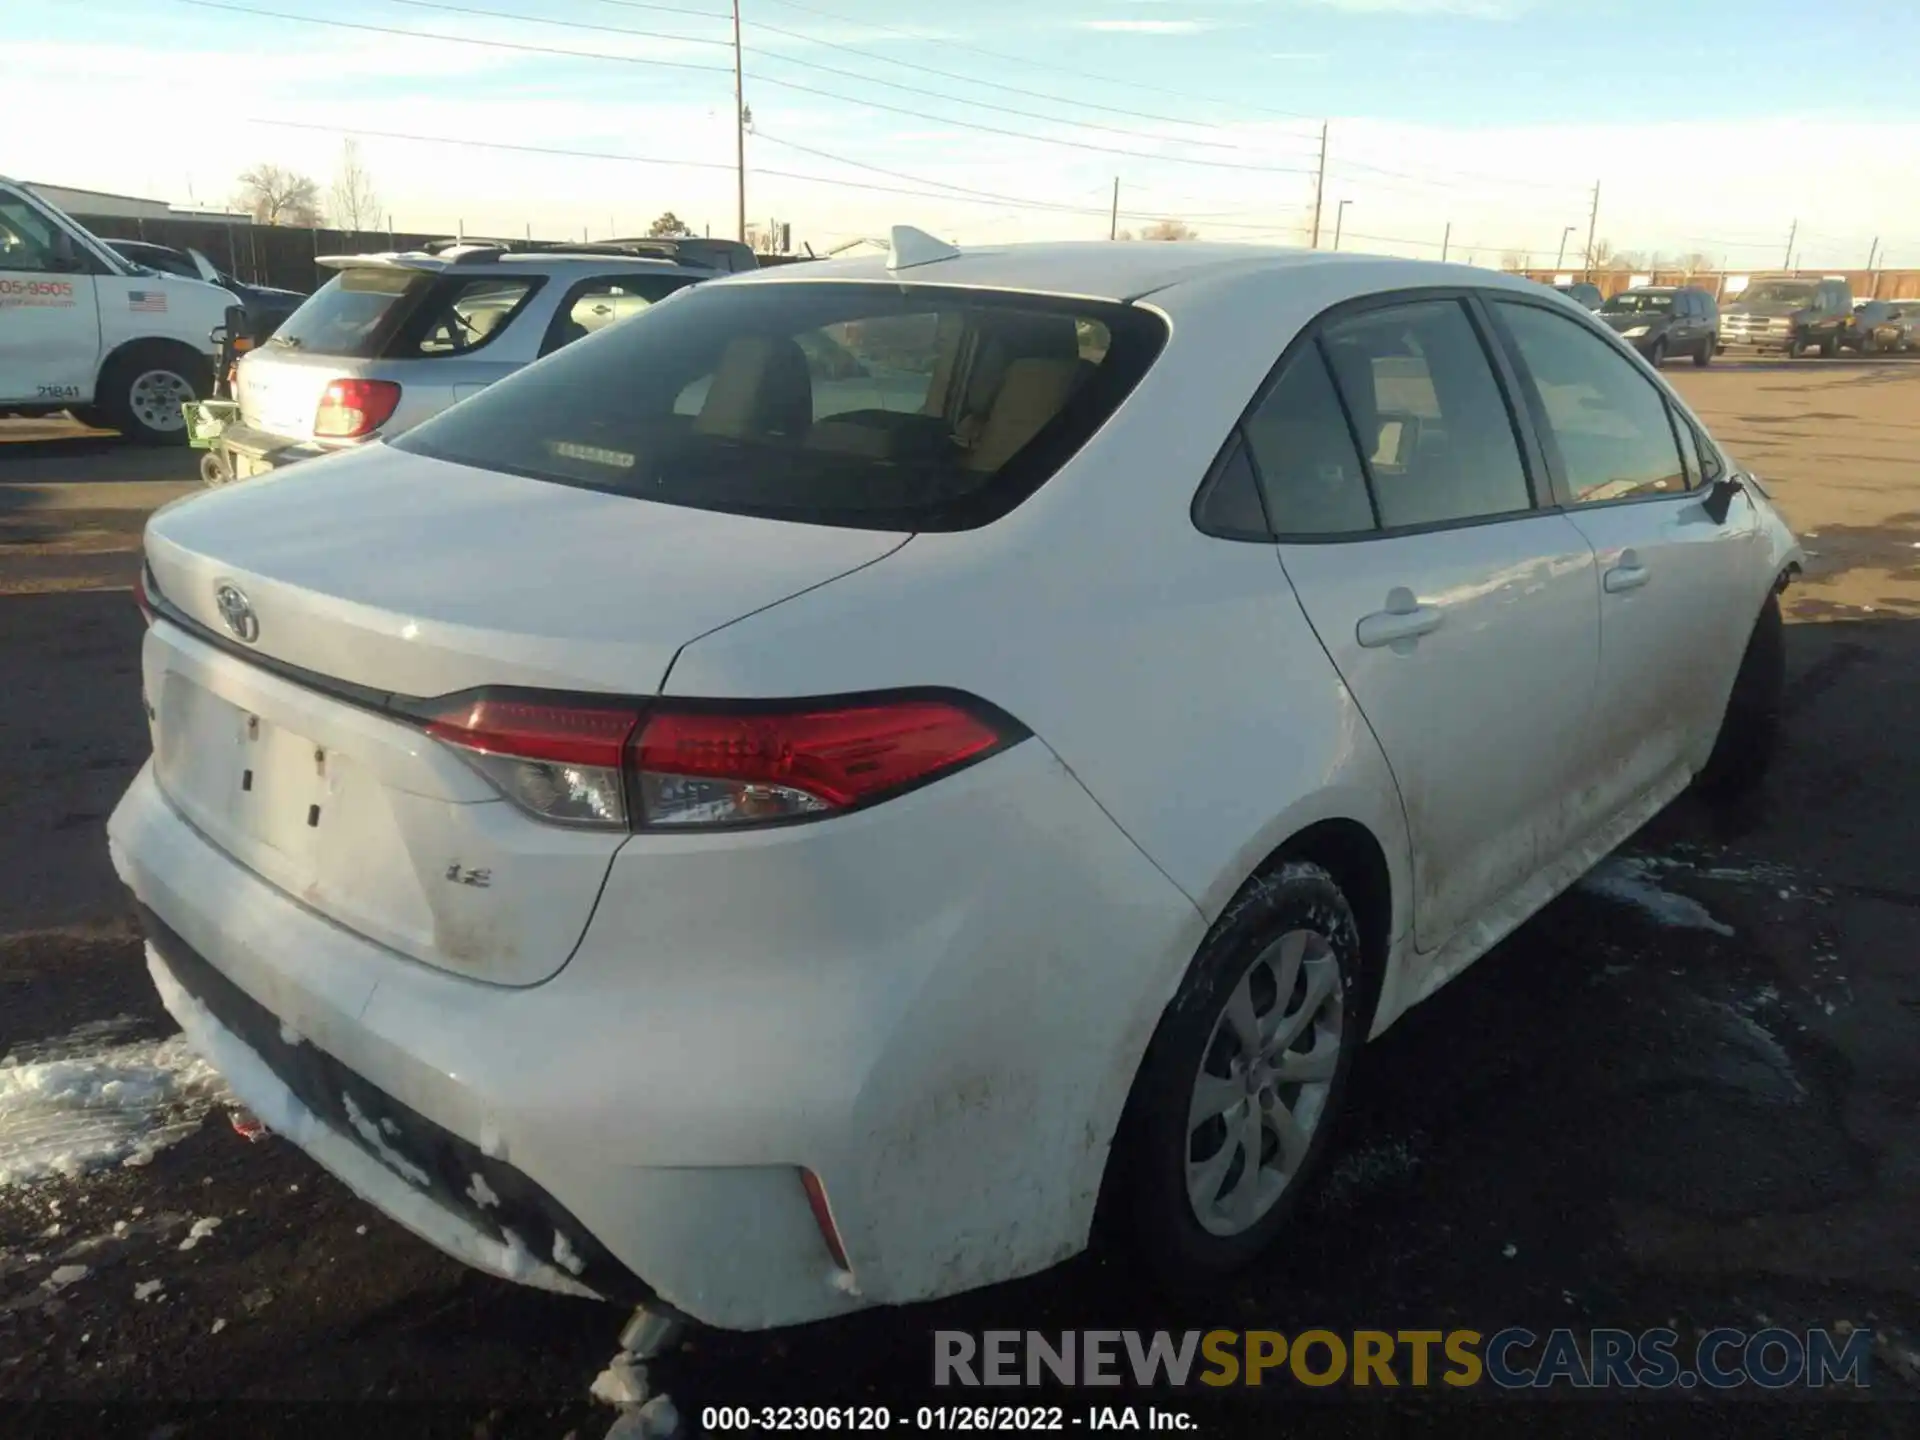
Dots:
{"x": 1290, "y": 928}
{"x": 1796, "y": 348}
{"x": 1703, "y": 357}
{"x": 1830, "y": 347}
{"x": 142, "y": 388}
{"x": 1750, "y": 729}
{"x": 1657, "y": 356}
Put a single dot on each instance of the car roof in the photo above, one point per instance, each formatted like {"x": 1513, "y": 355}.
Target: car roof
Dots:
{"x": 1116, "y": 270}
{"x": 558, "y": 263}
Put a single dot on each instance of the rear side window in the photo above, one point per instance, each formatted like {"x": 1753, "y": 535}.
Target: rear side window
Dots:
{"x": 353, "y": 313}
{"x": 885, "y": 407}
{"x": 1304, "y": 452}
{"x": 1607, "y": 419}
{"x": 1431, "y": 421}
{"x": 461, "y": 313}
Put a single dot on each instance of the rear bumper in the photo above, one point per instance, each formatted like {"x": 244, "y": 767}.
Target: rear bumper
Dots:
{"x": 936, "y": 1006}
{"x": 247, "y": 451}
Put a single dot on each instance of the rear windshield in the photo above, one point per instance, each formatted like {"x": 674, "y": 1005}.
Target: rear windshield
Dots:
{"x": 883, "y": 407}
{"x": 352, "y": 313}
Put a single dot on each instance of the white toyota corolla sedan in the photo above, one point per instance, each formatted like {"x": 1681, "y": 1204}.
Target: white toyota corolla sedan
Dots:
{"x": 798, "y": 800}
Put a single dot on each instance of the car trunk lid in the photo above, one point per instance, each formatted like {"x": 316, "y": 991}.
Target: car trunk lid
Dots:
{"x": 316, "y": 604}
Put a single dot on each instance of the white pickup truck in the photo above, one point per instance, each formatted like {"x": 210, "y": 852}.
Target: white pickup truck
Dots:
{"x": 82, "y": 330}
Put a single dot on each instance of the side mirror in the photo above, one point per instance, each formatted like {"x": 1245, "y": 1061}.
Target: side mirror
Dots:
{"x": 1719, "y": 501}
{"x": 65, "y": 254}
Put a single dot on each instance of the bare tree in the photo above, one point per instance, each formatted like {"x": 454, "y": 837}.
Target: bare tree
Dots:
{"x": 1601, "y": 257}
{"x": 1514, "y": 261}
{"x": 1169, "y": 230}
{"x": 1696, "y": 262}
{"x": 356, "y": 204}
{"x": 669, "y": 226}
{"x": 273, "y": 196}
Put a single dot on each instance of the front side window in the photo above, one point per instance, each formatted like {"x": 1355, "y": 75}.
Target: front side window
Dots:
{"x": 1303, "y": 450}
{"x": 1607, "y": 420}
{"x": 883, "y": 407}
{"x": 1432, "y": 424}
{"x": 26, "y": 237}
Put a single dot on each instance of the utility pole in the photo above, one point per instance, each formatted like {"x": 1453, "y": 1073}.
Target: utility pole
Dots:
{"x": 1792, "y": 230}
{"x": 1446, "y": 240}
{"x": 1875, "y": 250}
{"x": 1561, "y": 258}
{"x": 1593, "y": 224}
{"x": 1339, "y": 214}
{"x": 1113, "y": 223}
{"x": 739, "y": 134}
{"x": 1320, "y": 183}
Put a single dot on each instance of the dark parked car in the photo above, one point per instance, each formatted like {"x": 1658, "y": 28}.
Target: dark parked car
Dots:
{"x": 1582, "y": 294}
{"x": 266, "y": 307}
{"x": 1788, "y": 314}
{"x": 1663, "y": 320}
{"x": 1882, "y": 325}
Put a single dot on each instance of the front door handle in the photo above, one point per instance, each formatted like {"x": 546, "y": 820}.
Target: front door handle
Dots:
{"x": 1628, "y": 574}
{"x": 1404, "y": 620}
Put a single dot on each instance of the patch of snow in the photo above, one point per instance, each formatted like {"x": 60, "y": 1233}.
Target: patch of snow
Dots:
{"x": 73, "y": 1104}
{"x": 218, "y": 1326}
{"x": 623, "y": 1382}
{"x": 655, "y": 1420}
{"x": 493, "y": 1144}
{"x": 147, "y": 1289}
{"x": 263, "y": 1092}
{"x": 201, "y": 1230}
{"x": 290, "y": 1036}
{"x": 1509, "y": 1250}
{"x": 66, "y": 1275}
{"x": 1626, "y": 881}
{"x": 843, "y": 1281}
{"x": 359, "y": 1229}
{"x": 481, "y": 1193}
{"x": 564, "y": 1256}
{"x": 377, "y": 1142}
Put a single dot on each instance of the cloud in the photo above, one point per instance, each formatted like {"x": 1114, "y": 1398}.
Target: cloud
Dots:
{"x": 1146, "y": 27}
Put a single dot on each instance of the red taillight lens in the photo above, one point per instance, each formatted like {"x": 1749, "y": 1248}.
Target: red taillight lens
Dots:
{"x": 687, "y": 765}
{"x": 351, "y": 408}
{"x": 557, "y": 762}
{"x": 718, "y": 767}
{"x": 143, "y": 595}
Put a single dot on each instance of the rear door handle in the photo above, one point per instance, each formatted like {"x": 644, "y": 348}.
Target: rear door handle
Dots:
{"x": 1628, "y": 574}
{"x": 1404, "y": 619}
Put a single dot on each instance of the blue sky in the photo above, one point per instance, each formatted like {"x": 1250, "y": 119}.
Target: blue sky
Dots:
{"x": 1495, "y": 117}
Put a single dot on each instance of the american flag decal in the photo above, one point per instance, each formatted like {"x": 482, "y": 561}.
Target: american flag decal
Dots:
{"x": 147, "y": 302}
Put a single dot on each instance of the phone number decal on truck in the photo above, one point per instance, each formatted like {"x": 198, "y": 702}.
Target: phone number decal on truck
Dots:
{"x": 52, "y": 293}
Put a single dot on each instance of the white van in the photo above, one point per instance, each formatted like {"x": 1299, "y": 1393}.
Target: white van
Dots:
{"x": 83, "y": 330}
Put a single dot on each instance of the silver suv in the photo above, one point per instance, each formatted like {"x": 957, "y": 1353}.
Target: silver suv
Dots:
{"x": 392, "y": 340}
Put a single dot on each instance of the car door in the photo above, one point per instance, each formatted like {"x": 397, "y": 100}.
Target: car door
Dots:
{"x": 1628, "y": 465}
{"x": 49, "y": 315}
{"x": 1461, "y": 616}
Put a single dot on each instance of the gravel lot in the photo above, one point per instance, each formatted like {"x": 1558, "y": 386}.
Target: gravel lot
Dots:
{"x": 1610, "y": 1120}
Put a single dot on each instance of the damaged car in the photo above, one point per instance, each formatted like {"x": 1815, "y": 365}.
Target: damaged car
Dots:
{"x": 754, "y": 839}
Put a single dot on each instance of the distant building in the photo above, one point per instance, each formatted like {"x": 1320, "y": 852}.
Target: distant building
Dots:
{"x": 124, "y": 207}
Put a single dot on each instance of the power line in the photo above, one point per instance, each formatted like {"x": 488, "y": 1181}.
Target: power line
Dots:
{"x": 1016, "y": 134}
{"x": 1035, "y": 64}
{"x": 573, "y": 24}
{"x": 763, "y": 79}
{"x": 874, "y": 55}
{"x": 452, "y": 39}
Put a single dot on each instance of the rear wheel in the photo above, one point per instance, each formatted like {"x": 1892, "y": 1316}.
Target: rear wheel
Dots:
{"x": 1830, "y": 346}
{"x": 1231, "y": 1111}
{"x": 1657, "y": 356}
{"x": 1703, "y": 357}
{"x": 1750, "y": 730}
{"x": 1796, "y": 347}
{"x": 142, "y": 390}
{"x": 1869, "y": 344}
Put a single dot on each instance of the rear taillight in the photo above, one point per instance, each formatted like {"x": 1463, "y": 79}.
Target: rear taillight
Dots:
{"x": 557, "y": 762}
{"x": 688, "y": 766}
{"x": 352, "y": 408}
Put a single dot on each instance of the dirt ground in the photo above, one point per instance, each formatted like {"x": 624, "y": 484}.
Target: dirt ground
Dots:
{"x": 1606, "y": 1121}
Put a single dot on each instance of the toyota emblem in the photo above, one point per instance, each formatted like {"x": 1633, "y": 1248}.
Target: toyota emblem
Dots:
{"x": 237, "y": 611}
